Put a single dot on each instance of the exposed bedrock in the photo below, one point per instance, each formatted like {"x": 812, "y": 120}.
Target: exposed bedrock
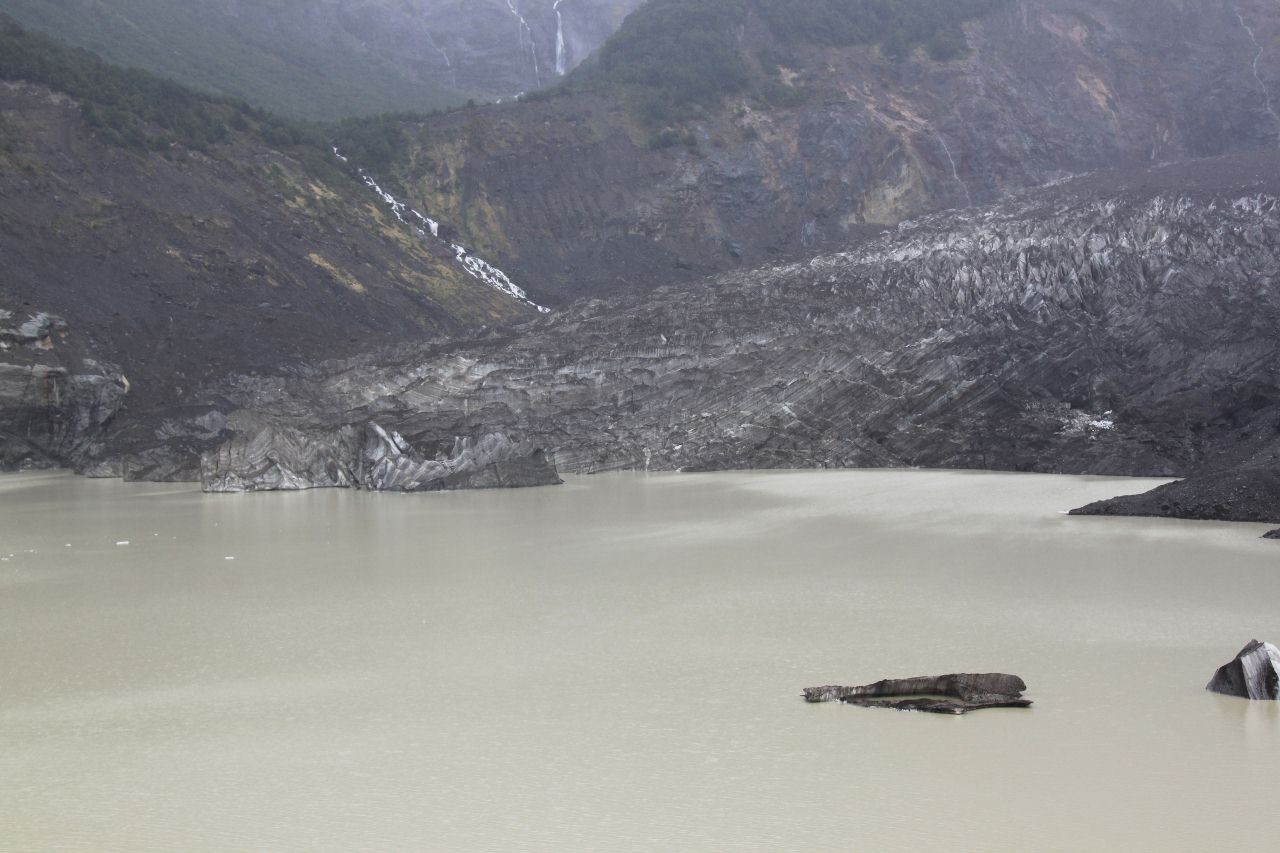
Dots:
{"x": 1249, "y": 493}
{"x": 963, "y": 693}
{"x": 1253, "y": 674}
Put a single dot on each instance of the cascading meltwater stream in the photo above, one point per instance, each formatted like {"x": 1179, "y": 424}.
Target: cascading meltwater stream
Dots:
{"x": 561, "y": 63}
{"x": 425, "y": 226}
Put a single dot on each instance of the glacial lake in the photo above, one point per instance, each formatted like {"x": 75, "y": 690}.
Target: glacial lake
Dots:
{"x": 616, "y": 665}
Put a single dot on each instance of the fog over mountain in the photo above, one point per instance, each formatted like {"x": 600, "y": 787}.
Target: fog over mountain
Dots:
{"x": 329, "y": 59}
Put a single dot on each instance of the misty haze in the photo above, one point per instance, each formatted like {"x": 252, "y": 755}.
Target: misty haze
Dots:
{"x": 639, "y": 425}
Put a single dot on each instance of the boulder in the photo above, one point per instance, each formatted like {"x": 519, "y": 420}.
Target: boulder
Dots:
{"x": 1254, "y": 674}
{"x": 939, "y": 694}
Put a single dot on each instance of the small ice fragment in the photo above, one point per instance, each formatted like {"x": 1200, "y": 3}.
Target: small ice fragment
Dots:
{"x": 125, "y": 542}
{"x": 228, "y": 558}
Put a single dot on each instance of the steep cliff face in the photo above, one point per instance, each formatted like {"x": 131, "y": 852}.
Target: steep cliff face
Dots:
{"x": 52, "y": 398}
{"x": 578, "y": 194}
{"x": 329, "y": 59}
{"x": 1112, "y": 324}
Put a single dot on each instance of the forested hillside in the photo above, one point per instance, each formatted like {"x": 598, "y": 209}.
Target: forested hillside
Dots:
{"x": 196, "y": 43}
{"x": 333, "y": 59}
{"x": 675, "y": 56}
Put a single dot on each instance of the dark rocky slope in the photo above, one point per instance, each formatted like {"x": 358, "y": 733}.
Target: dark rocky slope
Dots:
{"x": 161, "y": 233}
{"x": 185, "y": 267}
{"x": 1247, "y": 493}
{"x": 1111, "y": 324}
{"x": 580, "y": 195}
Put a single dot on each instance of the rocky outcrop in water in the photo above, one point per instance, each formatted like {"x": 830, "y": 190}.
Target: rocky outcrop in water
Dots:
{"x": 1253, "y": 674}
{"x": 1247, "y": 493}
{"x": 963, "y": 693}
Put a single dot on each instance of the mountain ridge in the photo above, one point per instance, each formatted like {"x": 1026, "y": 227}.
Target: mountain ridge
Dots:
{"x": 334, "y": 59}
{"x": 575, "y": 192}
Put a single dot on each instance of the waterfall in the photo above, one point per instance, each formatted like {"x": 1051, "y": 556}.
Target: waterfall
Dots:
{"x": 1256, "y": 76}
{"x": 448, "y": 63}
{"x": 560, "y": 47}
{"x": 514, "y": 6}
{"x": 424, "y": 226}
{"x": 955, "y": 173}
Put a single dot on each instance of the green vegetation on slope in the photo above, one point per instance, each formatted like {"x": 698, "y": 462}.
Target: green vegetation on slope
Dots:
{"x": 135, "y": 109}
{"x": 194, "y": 43}
{"x": 676, "y": 57}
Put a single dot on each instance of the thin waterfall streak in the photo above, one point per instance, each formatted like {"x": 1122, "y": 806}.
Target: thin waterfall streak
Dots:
{"x": 955, "y": 172}
{"x": 424, "y": 226}
{"x": 1266, "y": 92}
{"x": 453, "y": 74}
{"x": 561, "y": 59}
{"x": 521, "y": 29}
